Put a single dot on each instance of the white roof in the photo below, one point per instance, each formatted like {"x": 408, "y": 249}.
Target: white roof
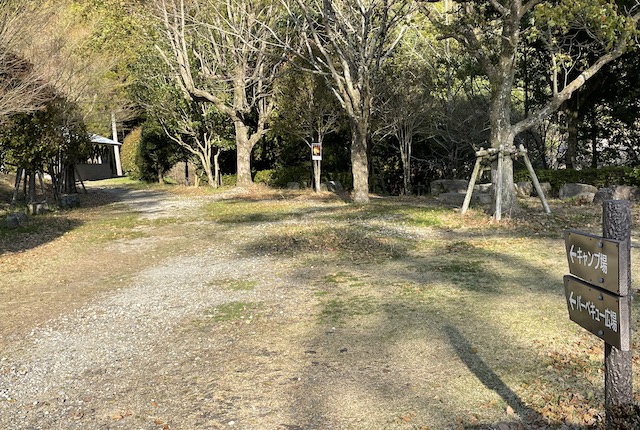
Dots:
{"x": 101, "y": 140}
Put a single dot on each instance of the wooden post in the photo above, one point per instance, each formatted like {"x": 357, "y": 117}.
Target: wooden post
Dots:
{"x": 618, "y": 391}
{"x": 534, "y": 178}
{"x": 472, "y": 183}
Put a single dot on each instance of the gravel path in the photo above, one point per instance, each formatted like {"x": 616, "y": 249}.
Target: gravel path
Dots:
{"x": 70, "y": 373}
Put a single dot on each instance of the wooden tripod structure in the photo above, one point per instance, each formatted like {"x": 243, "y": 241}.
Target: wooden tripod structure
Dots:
{"x": 487, "y": 157}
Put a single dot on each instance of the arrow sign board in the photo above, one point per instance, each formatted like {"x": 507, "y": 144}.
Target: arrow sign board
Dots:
{"x": 600, "y": 262}
{"x": 602, "y": 313}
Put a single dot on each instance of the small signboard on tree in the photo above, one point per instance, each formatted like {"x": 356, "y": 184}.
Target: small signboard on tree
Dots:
{"x": 316, "y": 151}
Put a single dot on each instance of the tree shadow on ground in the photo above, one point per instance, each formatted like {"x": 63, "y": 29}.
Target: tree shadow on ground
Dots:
{"x": 532, "y": 419}
{"x": 37, "y": 231}
{"x": 41, "y": 229}
{"x": 374, "y": 345}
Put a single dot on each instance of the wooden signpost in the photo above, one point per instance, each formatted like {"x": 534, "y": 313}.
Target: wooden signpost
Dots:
{"x": 598, "y": 294}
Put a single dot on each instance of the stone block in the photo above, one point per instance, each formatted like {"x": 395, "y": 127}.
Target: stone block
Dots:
{"x": 16, "y": 219}
{"x": 441, "y": 186}
{"x": 457, "y": 199}
{"x": 293, "y": 186}
{"x": 483, "y": 188}
{"x": 546, "y": 189}
{"x": 616, "y": 192}
{"x": 572, "y": 191}
{"x": 69, "y": 201}
{"x": 333, "y": 186}
{"x": 38, "y": 208}
{"x": 524, "y": 189}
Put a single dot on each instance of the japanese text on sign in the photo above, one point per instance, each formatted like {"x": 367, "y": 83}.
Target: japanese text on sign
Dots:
{"x": 610, "y": 317}
{"x": 595, "y": 260}
{"x": 598, "y": 261}
{"x": 602, "y": 313}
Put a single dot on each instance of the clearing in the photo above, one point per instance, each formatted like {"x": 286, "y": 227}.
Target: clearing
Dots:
{"x": 175, "y": 308}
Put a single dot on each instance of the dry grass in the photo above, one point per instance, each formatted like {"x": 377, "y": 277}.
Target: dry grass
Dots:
{"x": 397, "y": 315}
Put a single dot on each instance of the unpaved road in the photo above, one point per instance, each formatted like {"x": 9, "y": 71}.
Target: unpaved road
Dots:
{"x": 156, "y": 318}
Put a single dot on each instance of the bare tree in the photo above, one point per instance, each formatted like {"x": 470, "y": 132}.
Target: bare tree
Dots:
{"x": 22, "y": 87}
{"x": 223, "y": 52}
{"x": 196, "y": 130}
{"x": 308, "y": 111}
{"x": 348, "y": 41}
{"x": 405, "y": 103}
{"x": 493, "y": 30}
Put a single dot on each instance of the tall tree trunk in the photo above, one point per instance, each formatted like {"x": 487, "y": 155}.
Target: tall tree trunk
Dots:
{"x": 68, "y": 176}
{"x": 206, "y": 165}
{"x": 405, "y": 155}
{"x": 359, "y": 162}
{"x": 317, "y": 166}
{"x": 243, "y": 148}
{"x": 216, "y": 167}
{"x": 594, "y": 141}
{"x": 571, "y": 112}
{"x": 32, "y": 187}
{"x": 502, "y": 136}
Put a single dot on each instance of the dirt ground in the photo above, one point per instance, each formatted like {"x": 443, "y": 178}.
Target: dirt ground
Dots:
{"x": 153, "y": 310}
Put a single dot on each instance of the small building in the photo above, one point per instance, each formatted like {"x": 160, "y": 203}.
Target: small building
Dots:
{"x": 104, "y": 163}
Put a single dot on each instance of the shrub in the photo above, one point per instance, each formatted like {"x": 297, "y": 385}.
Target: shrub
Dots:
{"x": 128, "y": 153}
{"x": 602, "y": 177}
{"x": 229, "y": 180}
{"x": 264, "y": 177}
{"x": 283, "y": 175}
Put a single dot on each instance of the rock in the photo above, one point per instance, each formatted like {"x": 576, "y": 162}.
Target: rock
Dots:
{"x": 38, "y": 208}
{"x": 448, "y": 186}
{"x": 483, "y": 188}
{"x": 293, "y": 186}
{"x": 524, "y": 189}
{"x": 482, "y": 198}
{"x": 617, "y": 192}
{"x": 16, "y": 219}
{"x": 573, "y": 191}
{"x": 546, "y": 189}
{"x": 69, "y": 201}
{"x": 333, "y": 186}
{"x": 457, "y": 199}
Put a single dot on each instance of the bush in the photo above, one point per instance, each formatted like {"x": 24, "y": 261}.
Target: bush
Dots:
{"x": 228, "y": 180}
{"x": 128, "y": 153}
{"x": 264, "y": 177}
{"x": 603, "y": 177}
{"x": 283, "y": 175}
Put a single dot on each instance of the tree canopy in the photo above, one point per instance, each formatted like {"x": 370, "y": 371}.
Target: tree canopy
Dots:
{"x": 419, "y": 85}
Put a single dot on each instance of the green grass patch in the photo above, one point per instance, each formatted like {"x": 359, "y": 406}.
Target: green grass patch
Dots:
{"x": 236, "y": 284}
{"x": 340, "y": 278}
{"x": 232, "y": 311}
{"x": 337, "y": 310}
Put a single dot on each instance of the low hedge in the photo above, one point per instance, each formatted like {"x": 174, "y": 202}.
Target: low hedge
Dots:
{"x": 602, "y": 177}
